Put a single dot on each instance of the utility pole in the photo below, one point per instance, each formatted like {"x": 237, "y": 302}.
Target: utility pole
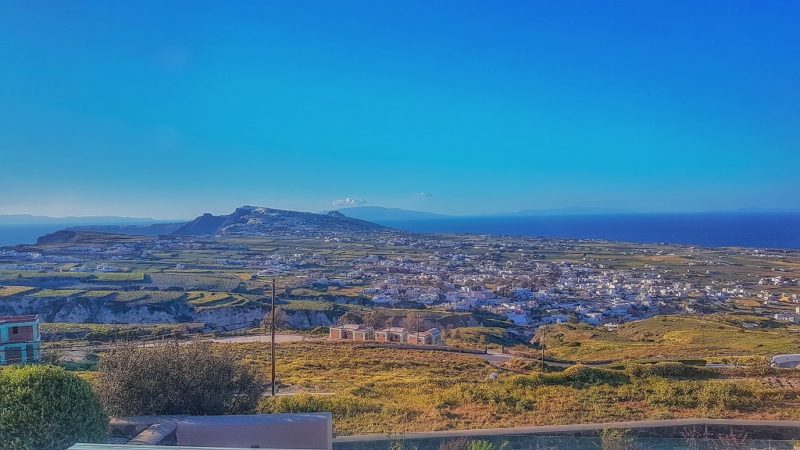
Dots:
{"x": 272, "y": 331}
{"x": 544, "y": 333}
{"x": 418, "y": 314}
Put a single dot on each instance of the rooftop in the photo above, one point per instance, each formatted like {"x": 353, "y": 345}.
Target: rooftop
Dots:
{"x": 18, "y": 319}
{"x": 393, "y": 330}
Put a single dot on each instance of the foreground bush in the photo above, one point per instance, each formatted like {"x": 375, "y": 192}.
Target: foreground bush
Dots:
{"x": 47, "y": 408}
{"x": 176, "y": 379}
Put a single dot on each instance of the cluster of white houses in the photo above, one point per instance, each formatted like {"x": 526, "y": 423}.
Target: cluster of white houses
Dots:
{"x": 396, "y": 335}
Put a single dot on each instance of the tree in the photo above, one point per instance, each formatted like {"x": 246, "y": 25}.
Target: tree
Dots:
{"x": 176, "y": 379}
{"x": 47, "y": 408}
{"x": 350, "y": 318}
{"x": 410, "y": 321}
{"x": 372, "y": 318}
{"x": 281, "y": 319}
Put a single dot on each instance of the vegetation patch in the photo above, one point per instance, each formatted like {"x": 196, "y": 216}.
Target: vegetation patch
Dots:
{"x": 383, "y": 390}
{"x": 195, "y": 281}
{"x": 308, "y": 305}
{"x": 113, "y": 332}
{"x": 672, "y": 337}
{"x": 55, "y": 293}
{"x": 9, "y": 291}
{"x": 120, "y": 276}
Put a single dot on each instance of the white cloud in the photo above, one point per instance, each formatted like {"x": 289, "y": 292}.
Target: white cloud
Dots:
{"x": 348, "y": 202}
{"x": 423, "y": 194}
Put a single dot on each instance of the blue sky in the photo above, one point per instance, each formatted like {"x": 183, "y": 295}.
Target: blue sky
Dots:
{"x": 171, "y": 108}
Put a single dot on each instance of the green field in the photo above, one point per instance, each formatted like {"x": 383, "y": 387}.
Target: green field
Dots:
{"x": 10, "y": 291}
{"x": 670, "y": 337}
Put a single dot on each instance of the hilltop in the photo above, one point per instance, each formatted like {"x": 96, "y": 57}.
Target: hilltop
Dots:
{"x": 256, "y": 220}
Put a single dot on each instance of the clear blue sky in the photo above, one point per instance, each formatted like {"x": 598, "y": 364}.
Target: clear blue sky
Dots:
{"x": 172, "y": 108}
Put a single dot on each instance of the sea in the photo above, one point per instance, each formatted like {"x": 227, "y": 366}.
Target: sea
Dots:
{"x": 26, "y": 234}
{"x": 754, "y": 230}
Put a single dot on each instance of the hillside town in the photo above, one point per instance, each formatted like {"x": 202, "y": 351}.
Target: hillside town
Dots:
{"x": 528, "y": 281}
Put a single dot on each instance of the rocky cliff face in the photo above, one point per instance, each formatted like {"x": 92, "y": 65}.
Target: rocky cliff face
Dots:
{"x": 310, "y": 319}
{"x": 99, "y": 311}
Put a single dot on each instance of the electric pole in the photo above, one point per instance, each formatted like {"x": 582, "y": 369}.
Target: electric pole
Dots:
{"x": 544, "y": 333}
{"x": 418, "y": 314}
{"x": 272, "y": 332}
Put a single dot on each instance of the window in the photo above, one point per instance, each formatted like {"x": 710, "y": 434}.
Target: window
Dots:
{"x": 14, "y": 330}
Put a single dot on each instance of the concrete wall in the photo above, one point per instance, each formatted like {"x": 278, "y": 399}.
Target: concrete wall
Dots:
{"x": 295, "y": 431}
{"x": 24, "y": 333}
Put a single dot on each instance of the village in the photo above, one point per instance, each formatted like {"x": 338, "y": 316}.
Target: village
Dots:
{"x": 528, "y": 281}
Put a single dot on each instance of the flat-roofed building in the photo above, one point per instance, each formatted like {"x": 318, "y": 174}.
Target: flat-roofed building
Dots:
{"x": 392, "y": 334}
{"x": 428, "y": 337}
{"x": 19, "y": 340}
{"x": 352, "y": 332}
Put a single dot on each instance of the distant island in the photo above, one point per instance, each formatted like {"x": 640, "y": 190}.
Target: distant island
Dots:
{"x": 759, "y": 228}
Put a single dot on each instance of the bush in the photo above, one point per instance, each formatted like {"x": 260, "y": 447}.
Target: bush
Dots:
{"x": 728, "y": 395}
{"x": 47, "y": 408}
{"x": 176, "y": 379}
{"x": 574, "y": 376}
{"x": 340, "y": 405}
{"x": 668, "y": 369}
{"x": 580, "y": 376}
{"x": 672, "y": 394}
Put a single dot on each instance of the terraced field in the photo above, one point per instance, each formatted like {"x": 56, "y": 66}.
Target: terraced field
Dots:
{"x": 197, "y": 281}
{"x": 9, "y": 291}
{"x": 208, "y": 300}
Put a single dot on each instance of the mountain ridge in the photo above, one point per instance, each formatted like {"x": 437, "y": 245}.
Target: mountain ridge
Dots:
{"x": 258, "y": 220}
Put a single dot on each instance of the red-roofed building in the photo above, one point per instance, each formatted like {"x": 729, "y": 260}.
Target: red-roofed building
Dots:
{"x": 19, "y": 340}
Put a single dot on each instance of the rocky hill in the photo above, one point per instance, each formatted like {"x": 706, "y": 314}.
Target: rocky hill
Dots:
{"x": 255, "y": 220}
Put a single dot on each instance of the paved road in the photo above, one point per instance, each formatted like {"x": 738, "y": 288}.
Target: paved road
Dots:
{"x": 282, "y": 338}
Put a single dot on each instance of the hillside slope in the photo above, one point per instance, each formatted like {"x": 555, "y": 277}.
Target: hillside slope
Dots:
{"x": 254, "y": 220}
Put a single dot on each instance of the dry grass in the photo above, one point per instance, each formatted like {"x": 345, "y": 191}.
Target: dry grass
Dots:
{"x": 381, "y": 390}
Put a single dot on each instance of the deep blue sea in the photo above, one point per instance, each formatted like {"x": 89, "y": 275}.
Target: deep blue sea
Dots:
{"x": 759, "y": 230}
{"x": 25, "y": 234}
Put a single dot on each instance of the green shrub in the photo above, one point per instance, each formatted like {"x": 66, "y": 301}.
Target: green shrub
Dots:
{"x": 481, "y": 445}
{"x": 340, "y": 405}
{"x": 728, "y": 395}
{"x": 672, "y": 394}
{"x": 47, "y": 408}
{"x": 668, "y": 369}
{"x": 580, "y": 376}
{"x": 613, "y": 439}
{"x": 176, "y": 379}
